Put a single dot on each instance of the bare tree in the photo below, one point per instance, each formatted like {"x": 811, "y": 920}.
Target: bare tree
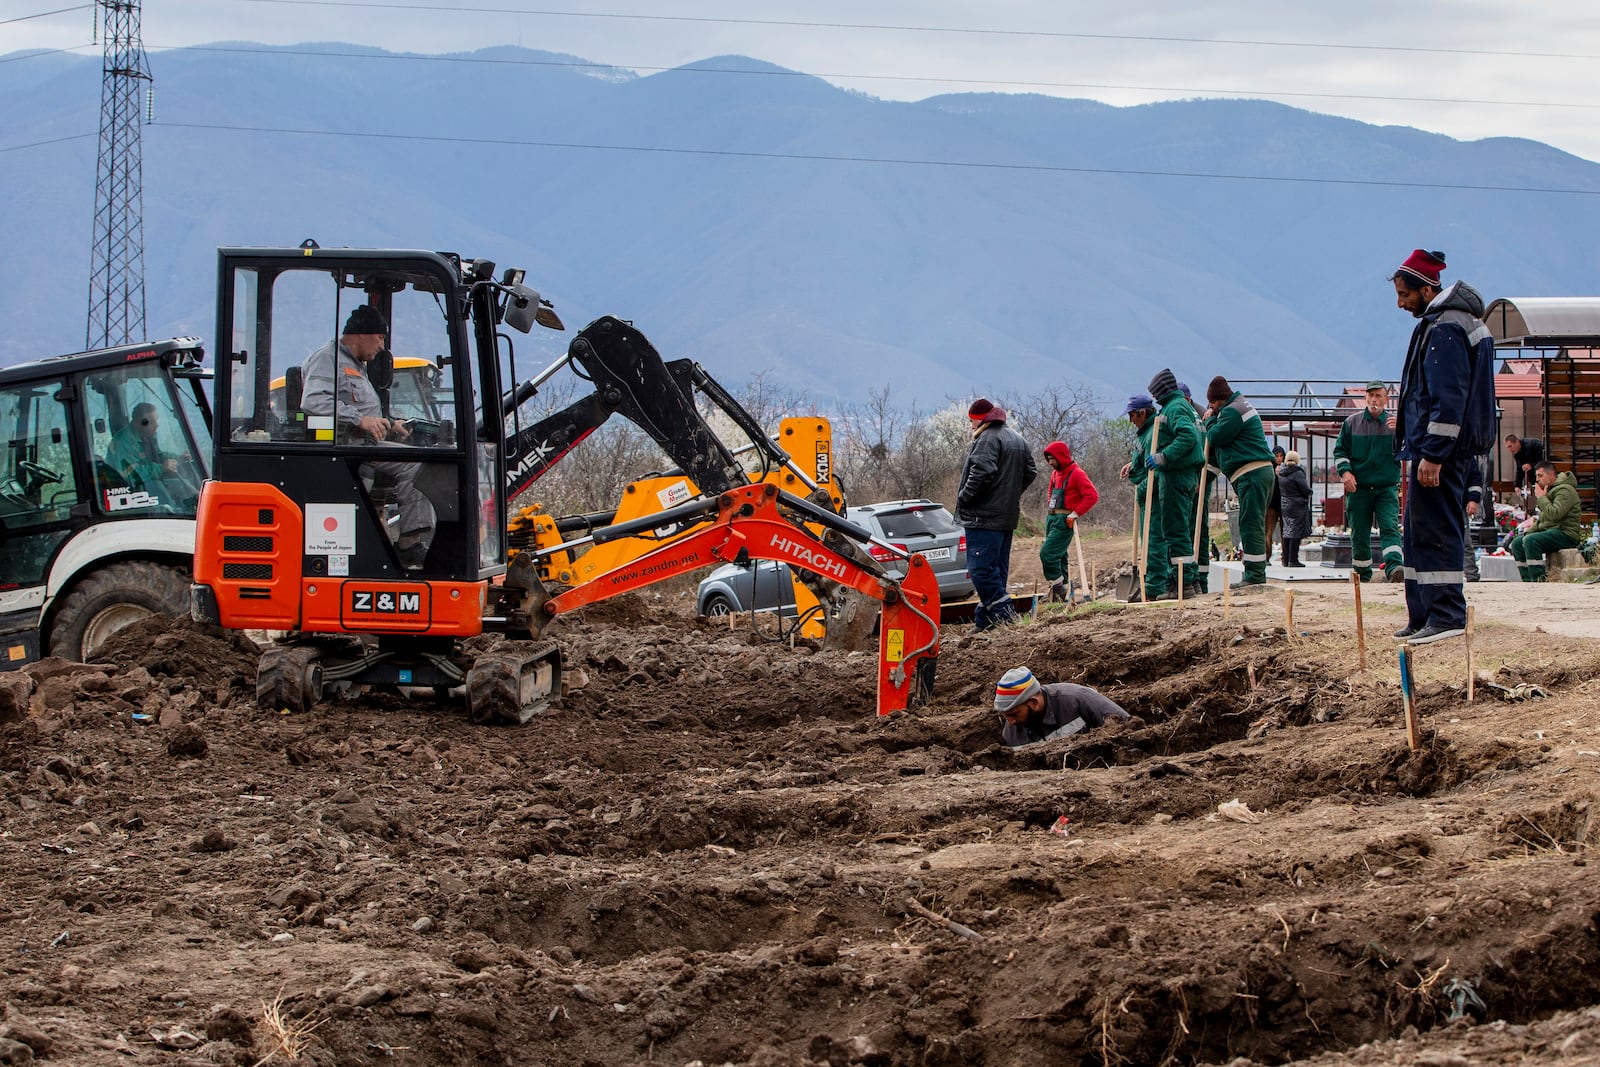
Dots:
{"x": 889, "y": 452}
{"x": 1065, "y": 412}
{"x": 591, "y": 477}
{"x": 883, "y": 449}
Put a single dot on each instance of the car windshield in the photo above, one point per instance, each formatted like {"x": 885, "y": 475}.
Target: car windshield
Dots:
{"x": 929, "y": 520}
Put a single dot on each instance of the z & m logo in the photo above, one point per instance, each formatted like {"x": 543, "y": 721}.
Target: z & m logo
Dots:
{"x": 387, "y": 607}
{"x": 385, "y": 603}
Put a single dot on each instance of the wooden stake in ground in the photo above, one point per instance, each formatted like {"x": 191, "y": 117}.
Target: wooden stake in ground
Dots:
{"x": 1227, "y": 595}
{"x": 1288, "y": 611}
{"x": 1199, "y": 511}
{"x": 1413, "y": 729}
{"x": 1472, "y": 678}
{"x": 1083, "y": 571}
{"x": 1149, "y": 502}
{"x": 1361, "y": 629}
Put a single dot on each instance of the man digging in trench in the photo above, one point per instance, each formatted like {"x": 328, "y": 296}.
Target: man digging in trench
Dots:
{"x": 1034, "y": 712}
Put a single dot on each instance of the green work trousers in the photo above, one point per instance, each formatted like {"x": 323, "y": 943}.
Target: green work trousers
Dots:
{"x": 1255, "y": 491}
{"x": 1148, "y": 558}
{"x": 1201, "y": 571}
{"x": 1529, "y": 549}
{"x": 1172, "y": 529}
{"x": 1053, "y": 553}
{"x": 1360, "y": 508}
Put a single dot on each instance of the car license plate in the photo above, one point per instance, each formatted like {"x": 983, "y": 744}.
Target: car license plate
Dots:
{"x": 933, "y": 554}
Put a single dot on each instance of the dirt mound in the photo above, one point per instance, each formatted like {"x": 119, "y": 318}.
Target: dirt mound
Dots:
{"x": 183, "y": 652}
{"x": 715, "y": 852}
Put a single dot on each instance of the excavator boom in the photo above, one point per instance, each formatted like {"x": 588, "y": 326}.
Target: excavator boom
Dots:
{"x": 746, "y": 523}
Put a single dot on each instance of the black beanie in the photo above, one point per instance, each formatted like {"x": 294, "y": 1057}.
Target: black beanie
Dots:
{"x": 366, "y": 319}
{"x": 1163, "y": 384}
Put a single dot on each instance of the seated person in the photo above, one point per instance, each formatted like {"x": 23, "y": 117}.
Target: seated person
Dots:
{"x": 336, "y": 384}
{"x": 135, "y": 455}
{"x": 1558, "y": 523}
{"x": 1034, "y": 712}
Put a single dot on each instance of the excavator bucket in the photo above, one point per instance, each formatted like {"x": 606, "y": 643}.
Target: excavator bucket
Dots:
{"x": 908, "y": 640}
{"x": 851, "y": 627}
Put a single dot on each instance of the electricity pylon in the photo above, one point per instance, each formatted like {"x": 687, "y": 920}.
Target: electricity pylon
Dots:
{"x": 116, "y": 273}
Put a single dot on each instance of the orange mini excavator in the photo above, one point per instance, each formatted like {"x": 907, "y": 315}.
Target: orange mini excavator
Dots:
{"x": 377, "y": 544}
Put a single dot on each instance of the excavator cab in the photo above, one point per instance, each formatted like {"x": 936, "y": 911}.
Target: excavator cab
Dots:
{"x": 287, "y": 317}
{"x": 370, "y": 532}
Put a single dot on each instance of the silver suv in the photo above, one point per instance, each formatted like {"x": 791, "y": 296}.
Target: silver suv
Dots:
{"x": 919, "y": 526}
{"x": 914, "y": 525}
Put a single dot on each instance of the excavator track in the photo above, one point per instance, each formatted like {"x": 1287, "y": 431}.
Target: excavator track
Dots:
{"x": 515, "y": 682}
{"x": 288, "y": 679}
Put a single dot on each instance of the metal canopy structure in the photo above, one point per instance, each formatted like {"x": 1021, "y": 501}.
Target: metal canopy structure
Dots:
{"x": 1563, "y": 332}
{"x": 1544, "y": 321}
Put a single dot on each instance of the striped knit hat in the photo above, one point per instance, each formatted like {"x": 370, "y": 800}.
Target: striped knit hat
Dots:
{"x": 1015, "y": 686}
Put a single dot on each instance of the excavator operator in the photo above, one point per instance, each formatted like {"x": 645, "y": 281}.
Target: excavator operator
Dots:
{"x": 336, "y": 384}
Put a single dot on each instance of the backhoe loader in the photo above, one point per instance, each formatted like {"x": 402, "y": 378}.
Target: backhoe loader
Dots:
{"x": 296, "y": 529}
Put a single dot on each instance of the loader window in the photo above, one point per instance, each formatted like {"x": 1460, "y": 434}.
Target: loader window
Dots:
{"x": 143, "y": 458}
{"x": 37, "y": 485}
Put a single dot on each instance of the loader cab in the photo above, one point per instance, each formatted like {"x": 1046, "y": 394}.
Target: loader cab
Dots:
{"x": 296, "y": 388}
{"x": 102, "y": 456}
{"x": 119, "y": 433}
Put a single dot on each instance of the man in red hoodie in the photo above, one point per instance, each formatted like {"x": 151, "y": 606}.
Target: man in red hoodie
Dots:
{"x": 1071, "y": 495}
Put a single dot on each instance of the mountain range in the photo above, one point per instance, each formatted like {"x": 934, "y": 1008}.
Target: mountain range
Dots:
{"x": 767, "y": 223}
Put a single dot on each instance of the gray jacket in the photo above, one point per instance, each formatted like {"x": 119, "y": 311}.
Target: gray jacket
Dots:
{"x": 1069, "y": 708}
{"x": 356, "y": 398}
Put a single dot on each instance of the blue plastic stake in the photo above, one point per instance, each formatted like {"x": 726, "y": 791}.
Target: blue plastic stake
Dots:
{"x": 1413, "y": 731}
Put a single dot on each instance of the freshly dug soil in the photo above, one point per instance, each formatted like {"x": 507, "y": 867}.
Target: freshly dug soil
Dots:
{"x": 714, "y": 852}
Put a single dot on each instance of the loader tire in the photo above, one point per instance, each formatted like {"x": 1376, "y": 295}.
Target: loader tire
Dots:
{"x": 112, "y": 597}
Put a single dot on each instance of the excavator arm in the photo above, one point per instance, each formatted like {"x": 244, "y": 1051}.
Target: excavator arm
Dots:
{"x": 746, "y": 523}
{"x": 631, "y": 379}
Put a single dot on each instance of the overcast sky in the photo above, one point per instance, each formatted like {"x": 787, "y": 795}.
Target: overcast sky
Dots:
{"x": 1467, "y": 68}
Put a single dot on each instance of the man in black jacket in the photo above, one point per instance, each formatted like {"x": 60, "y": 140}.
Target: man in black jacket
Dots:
{"x": 1526, "y": 454}
{"x": 998, "y": 468}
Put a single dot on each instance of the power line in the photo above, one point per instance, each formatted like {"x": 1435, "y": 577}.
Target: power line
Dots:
{"x": 45, "y": 14}
{"x": 41, "y": 144}
{"x": 883, "y": 160}
{"x": 973, "y": 30}
{"x": 44, "y": 52}
{"x": 587, "y": 65}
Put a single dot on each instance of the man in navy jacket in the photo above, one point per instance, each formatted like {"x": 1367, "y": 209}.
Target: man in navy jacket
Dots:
{"x": 998, "y": 467}
{"x": 1446, "y": 420}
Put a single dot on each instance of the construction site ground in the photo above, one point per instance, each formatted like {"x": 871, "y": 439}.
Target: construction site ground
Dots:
{"x": 715, "y": 853}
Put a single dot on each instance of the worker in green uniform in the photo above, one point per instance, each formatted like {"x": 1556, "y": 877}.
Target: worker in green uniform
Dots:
{"x": 1202, "y": 537}
{"x": 1141, "y": 411}
{"x": 1239, "y": 449}
{"x": 1364, "y": 457}
{"x": 1176, "y": 460}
